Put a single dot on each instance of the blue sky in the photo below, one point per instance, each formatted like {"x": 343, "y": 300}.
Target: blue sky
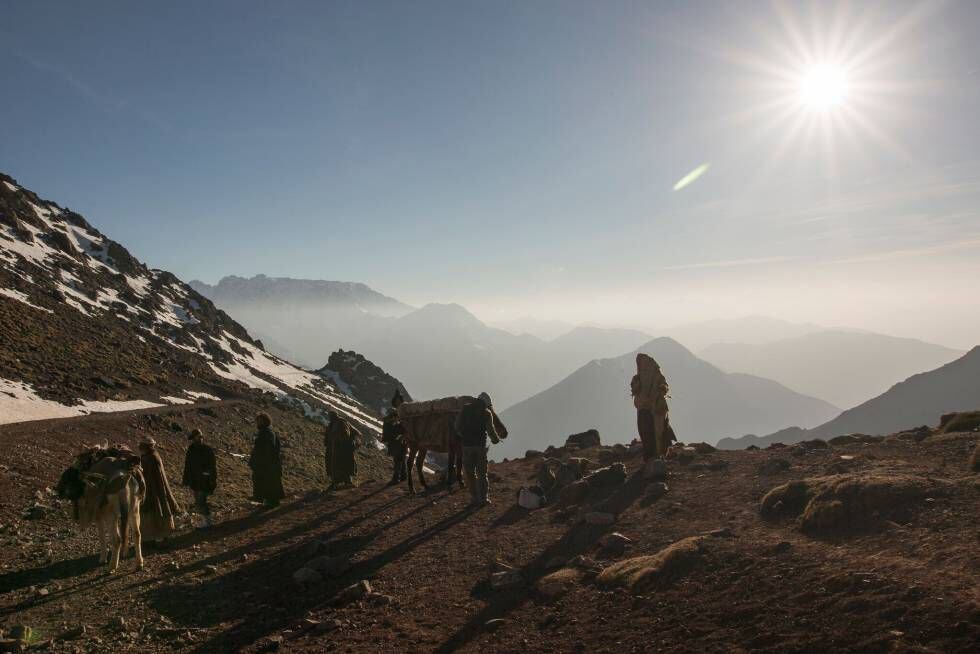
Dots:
{"x": 519, "y": 157}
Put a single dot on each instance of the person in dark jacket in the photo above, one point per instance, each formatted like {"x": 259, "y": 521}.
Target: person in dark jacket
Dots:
{"x": 474, "y": 424}
{"x": 339, "y": 442}
{"x": 200, "y": 475}
{"x": 266, "y": 463}
{"x": 391, "y": 436}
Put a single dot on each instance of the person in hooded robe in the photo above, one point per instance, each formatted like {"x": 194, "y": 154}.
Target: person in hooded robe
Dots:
{"x": 266, "y": 463}
{"x": 649, "y": 388}
{"x": 340, "y": 441}
{"x": 159, "y": 505}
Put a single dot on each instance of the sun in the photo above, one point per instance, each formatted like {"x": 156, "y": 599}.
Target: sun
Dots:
{"x": 823, "y": 87}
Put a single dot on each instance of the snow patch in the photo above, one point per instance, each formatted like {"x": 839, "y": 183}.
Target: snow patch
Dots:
{"x": 19, "y": 402}
{"x": 12, "y": 187}
{"x": 14, "y": 294}
{"x": 169, "y": 399}
{"x": 202, "y": 396}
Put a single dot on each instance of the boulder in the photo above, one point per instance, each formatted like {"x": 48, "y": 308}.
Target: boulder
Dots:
{"x": 573, "y": 493}
{"x": 773, "y": 467}
{"x": 655, "y": 470}
{"x": 703, "y": 448}
{"x": 614, "y": 544}
{"x": 599, "y": 519}
{"x": 533, "y": 454}
{"x": 506, "y": 579}
{"x": 584, "y": 440}
{"x": 330, "y": 566}
{"x": 850, "y": 439}
{"x": 657, "y": 490}
{"x": 354, "y": 592}
{"x": 493, "y": 625}
{"x": 608, "y": 477}
{"x": 556, "y": 584}
{"x": 306, "y": 576}
{"x": 644, "y": 573}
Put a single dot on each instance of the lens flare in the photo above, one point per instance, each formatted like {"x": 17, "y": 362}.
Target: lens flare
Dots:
{"x": 691, "y": 176}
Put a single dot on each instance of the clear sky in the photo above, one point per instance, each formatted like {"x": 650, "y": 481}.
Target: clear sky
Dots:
{"x": 522, "y": 157}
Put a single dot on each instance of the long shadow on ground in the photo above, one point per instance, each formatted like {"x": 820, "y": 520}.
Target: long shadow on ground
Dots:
{"x": 579, "y": 538}
{"x": 260, "y": 597}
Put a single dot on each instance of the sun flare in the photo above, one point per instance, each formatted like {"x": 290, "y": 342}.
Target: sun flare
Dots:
{"x": 823, "y": 87}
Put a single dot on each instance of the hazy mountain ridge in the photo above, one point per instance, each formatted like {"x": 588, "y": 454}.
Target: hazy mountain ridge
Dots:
{"x": 705, "y": 402}
{"x": 436, "y": 350}
{"x": 85, "y": 326}
{"x": 234, "y": 290}
{"x": 919, "y": 400}
{"x": 844, "y": 368}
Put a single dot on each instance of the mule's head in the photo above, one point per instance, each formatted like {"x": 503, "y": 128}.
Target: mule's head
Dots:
{"x": 71, "y": 486}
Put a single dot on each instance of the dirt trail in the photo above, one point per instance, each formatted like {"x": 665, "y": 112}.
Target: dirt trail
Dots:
{"x": 907, "y": 585}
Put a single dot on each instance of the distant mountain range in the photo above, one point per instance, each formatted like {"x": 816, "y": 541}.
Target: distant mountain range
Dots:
{"x": 919, "y": 400}
{"x": 436, "y": 350}
{"x": 845, "y": 368}
{"x": 696, "y": 336}
{"x": 286, "y": 292}
{"x": 705, "y": 402}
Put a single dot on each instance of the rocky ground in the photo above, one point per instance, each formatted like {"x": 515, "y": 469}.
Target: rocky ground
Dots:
{"x": 876, "y": 552}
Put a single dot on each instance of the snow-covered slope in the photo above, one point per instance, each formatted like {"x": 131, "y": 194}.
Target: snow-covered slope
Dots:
{"x": 85, "y": 327}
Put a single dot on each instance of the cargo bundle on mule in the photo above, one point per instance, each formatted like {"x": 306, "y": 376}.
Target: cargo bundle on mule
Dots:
{"x": 431, "y": 426}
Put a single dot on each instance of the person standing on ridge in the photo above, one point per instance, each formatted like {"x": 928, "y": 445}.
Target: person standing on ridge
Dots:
{"x": 266, "y": 463}
{"x": 649, "y": 388}
{"x": 339, "y": 441}
{"x": 200, "y": 475}
{"x": 474, "y": 424}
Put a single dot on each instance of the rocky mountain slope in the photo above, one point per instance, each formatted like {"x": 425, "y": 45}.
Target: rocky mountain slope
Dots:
{"x": 916, "y": 401}
{"x": 705, "y": 402}
{"x": 86, "y": 327}
{"x": 843, "y": 368}
{"x": 362, "y": 379}
{"x": 703, "y": 562}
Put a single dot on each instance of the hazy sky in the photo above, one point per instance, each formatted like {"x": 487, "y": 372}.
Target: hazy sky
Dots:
{"x": 520, "y": 157}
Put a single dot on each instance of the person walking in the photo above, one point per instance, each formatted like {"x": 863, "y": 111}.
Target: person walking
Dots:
{"x": 159, "y": 504}
{"x": 474, "y": 424}
{"x": 200, "y": 475}
{"x": 391, "y": 436}
{"x": 339, "y": 442}
{"x": 649, "y": 389}
{"x": 266, "y": 463}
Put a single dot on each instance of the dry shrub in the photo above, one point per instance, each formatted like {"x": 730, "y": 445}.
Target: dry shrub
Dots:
{"x": 558, "y": 583}
{"x": 846, "y": 501}
{"x": 643, "y": 573}
{"x": 961, "y": 421}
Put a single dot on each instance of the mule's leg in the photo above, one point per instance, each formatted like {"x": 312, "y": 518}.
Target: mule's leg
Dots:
{"x": 418, "y": 466}
{"x": 450, "y": 465}
{"x": 115, "y": 538}
{"x": 408, "y": 462}
{"x": 459, "y": 466}
{"x": 134, "y": 517}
